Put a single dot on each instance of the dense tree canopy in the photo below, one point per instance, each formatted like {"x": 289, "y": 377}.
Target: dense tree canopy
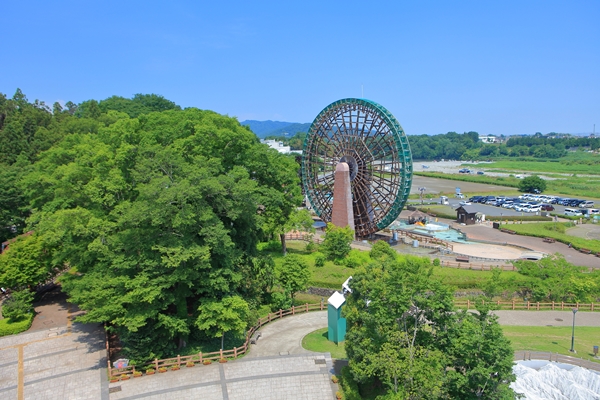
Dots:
{"x": 403, "y": 331}
{"x": 155, "y": 214}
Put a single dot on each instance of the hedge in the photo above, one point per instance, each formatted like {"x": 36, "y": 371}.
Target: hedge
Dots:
{"x": 8, "y": 327}
{"x": 518, "y": 218}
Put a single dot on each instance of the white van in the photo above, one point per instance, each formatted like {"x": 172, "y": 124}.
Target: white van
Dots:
{"x": 572, "y": 212}
{"x": 587, "y": 204}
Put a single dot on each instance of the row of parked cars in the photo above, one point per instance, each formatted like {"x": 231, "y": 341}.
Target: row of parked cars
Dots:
{"x": 531, "y": 203}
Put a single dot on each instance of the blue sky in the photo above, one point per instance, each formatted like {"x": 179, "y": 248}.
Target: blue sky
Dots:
{"x": 501, "y": 67}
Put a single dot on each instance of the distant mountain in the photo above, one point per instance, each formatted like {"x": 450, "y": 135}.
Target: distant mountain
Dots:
{"x": 263, "y": 129}
{"x": 291, "y": 129}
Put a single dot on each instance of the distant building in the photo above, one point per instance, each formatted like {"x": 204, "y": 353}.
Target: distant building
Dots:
{"x": 489, "y": 139}
{"x": 277, "y": 145}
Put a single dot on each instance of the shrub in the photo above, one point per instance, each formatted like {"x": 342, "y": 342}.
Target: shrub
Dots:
{"x": 311, "y": 246}
{"x": 18, "y": 306}
{"x": 10, "y": 327}
{"x": 436, "y": 262}
{"x": 320, "y": 260}
{"x": 382, "y": 249}
{"x": 273, "y": 245}
{"x": 355, "y": 259}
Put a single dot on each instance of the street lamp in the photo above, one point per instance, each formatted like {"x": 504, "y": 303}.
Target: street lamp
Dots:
{"x": 573, "y": 332}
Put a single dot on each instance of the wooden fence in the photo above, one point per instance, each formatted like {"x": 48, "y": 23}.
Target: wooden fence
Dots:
{"x": 528, "y": 305}
{"x": 175, "y": 363}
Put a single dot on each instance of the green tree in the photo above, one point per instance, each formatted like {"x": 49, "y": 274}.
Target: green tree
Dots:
{"x": 382, "y": 249}
{"x": 293, "y": 275}
{"x": 217, "y": 317}
{"x": 156, "y": 214}
{"x": 481, "y": 357}
{"x": 18, "y": 305}
{"x": 531, "y": 184}
{"x": 404, "y": 331}
{"x": 25, "y": 264}
{"x": 336, "y": 244}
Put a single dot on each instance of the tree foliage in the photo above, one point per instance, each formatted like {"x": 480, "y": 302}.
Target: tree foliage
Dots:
{"x": 336, "y": 244}
{"x": 531, "y": 184}
{"x": 157, "y": 214}
{"x": 293, "y": 274}
{"x": 219, "y": 316}
{"x": 25, "y": 263}
{"x": 18, "y": 305}
{"x": 403, "y": 330}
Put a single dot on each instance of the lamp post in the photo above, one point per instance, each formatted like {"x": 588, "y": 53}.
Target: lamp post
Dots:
{"x": 573, "y": 332}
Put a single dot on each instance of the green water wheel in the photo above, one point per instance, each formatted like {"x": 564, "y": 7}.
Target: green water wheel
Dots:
{"x": 365, "y": 135}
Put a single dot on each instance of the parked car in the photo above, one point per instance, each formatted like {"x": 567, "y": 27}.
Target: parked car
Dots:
{"x": 464, "y": 171}
{"x": 479, "y": 172}
{"x": 464, "y": 203}
{"x": 588, "y": 212}
{"x": 587, "y": 204}
{"x": 474, "y": 199}
{"x": 571, "y": 212}
{"x": 547, "y": 207}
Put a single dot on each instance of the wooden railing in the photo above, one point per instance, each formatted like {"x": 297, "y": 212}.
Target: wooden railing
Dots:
{"x": 476, "y": 266}
{"x": 528, "y": 305}
{"x": 307, "y": 237}
{"x": 222, "y": 355}
{"x": 426, "y": 241}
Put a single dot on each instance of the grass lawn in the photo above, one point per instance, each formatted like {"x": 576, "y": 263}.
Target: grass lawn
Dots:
{"x": 572, "y": 186}
{"x": 542, "y": 166}
{"x": 556, "y": 339}
{"x": 328, "y": 276}
{"x": 317, "y": 341}
{"x": 474, "y": 279}
{"x": 541, "y": 230}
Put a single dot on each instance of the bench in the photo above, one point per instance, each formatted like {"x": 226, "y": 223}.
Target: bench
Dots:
{"x": 549, "y": 240}
{"x": 462, "y": 259}
{"x": 508, "y": 231}
{"x": 255, "y": 337}
{"x": 586, "y": 251}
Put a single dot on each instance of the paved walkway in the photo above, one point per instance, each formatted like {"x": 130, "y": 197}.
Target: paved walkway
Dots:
{"x": 65, "y": 362}
{"x": 277, "y": 367}
{"x": 486, "y": 232}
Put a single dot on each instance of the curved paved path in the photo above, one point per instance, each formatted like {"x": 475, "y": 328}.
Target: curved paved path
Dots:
{"x": 284, "y": 336}
{"x": 277, "y": 367}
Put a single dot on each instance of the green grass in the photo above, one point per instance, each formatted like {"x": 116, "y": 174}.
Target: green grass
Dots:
{"x": 328, "y": 276}
{"x": 556, "y": 339}
{"x": 317, "y": 341}
{"x": 573, "y": 186}
{"x": 540, "y": 230}
{"x": 564, "y": 166}
{"x": 9, "y": 327}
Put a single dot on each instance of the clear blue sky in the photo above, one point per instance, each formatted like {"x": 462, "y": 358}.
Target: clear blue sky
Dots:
{"x": 495, "y": 67}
